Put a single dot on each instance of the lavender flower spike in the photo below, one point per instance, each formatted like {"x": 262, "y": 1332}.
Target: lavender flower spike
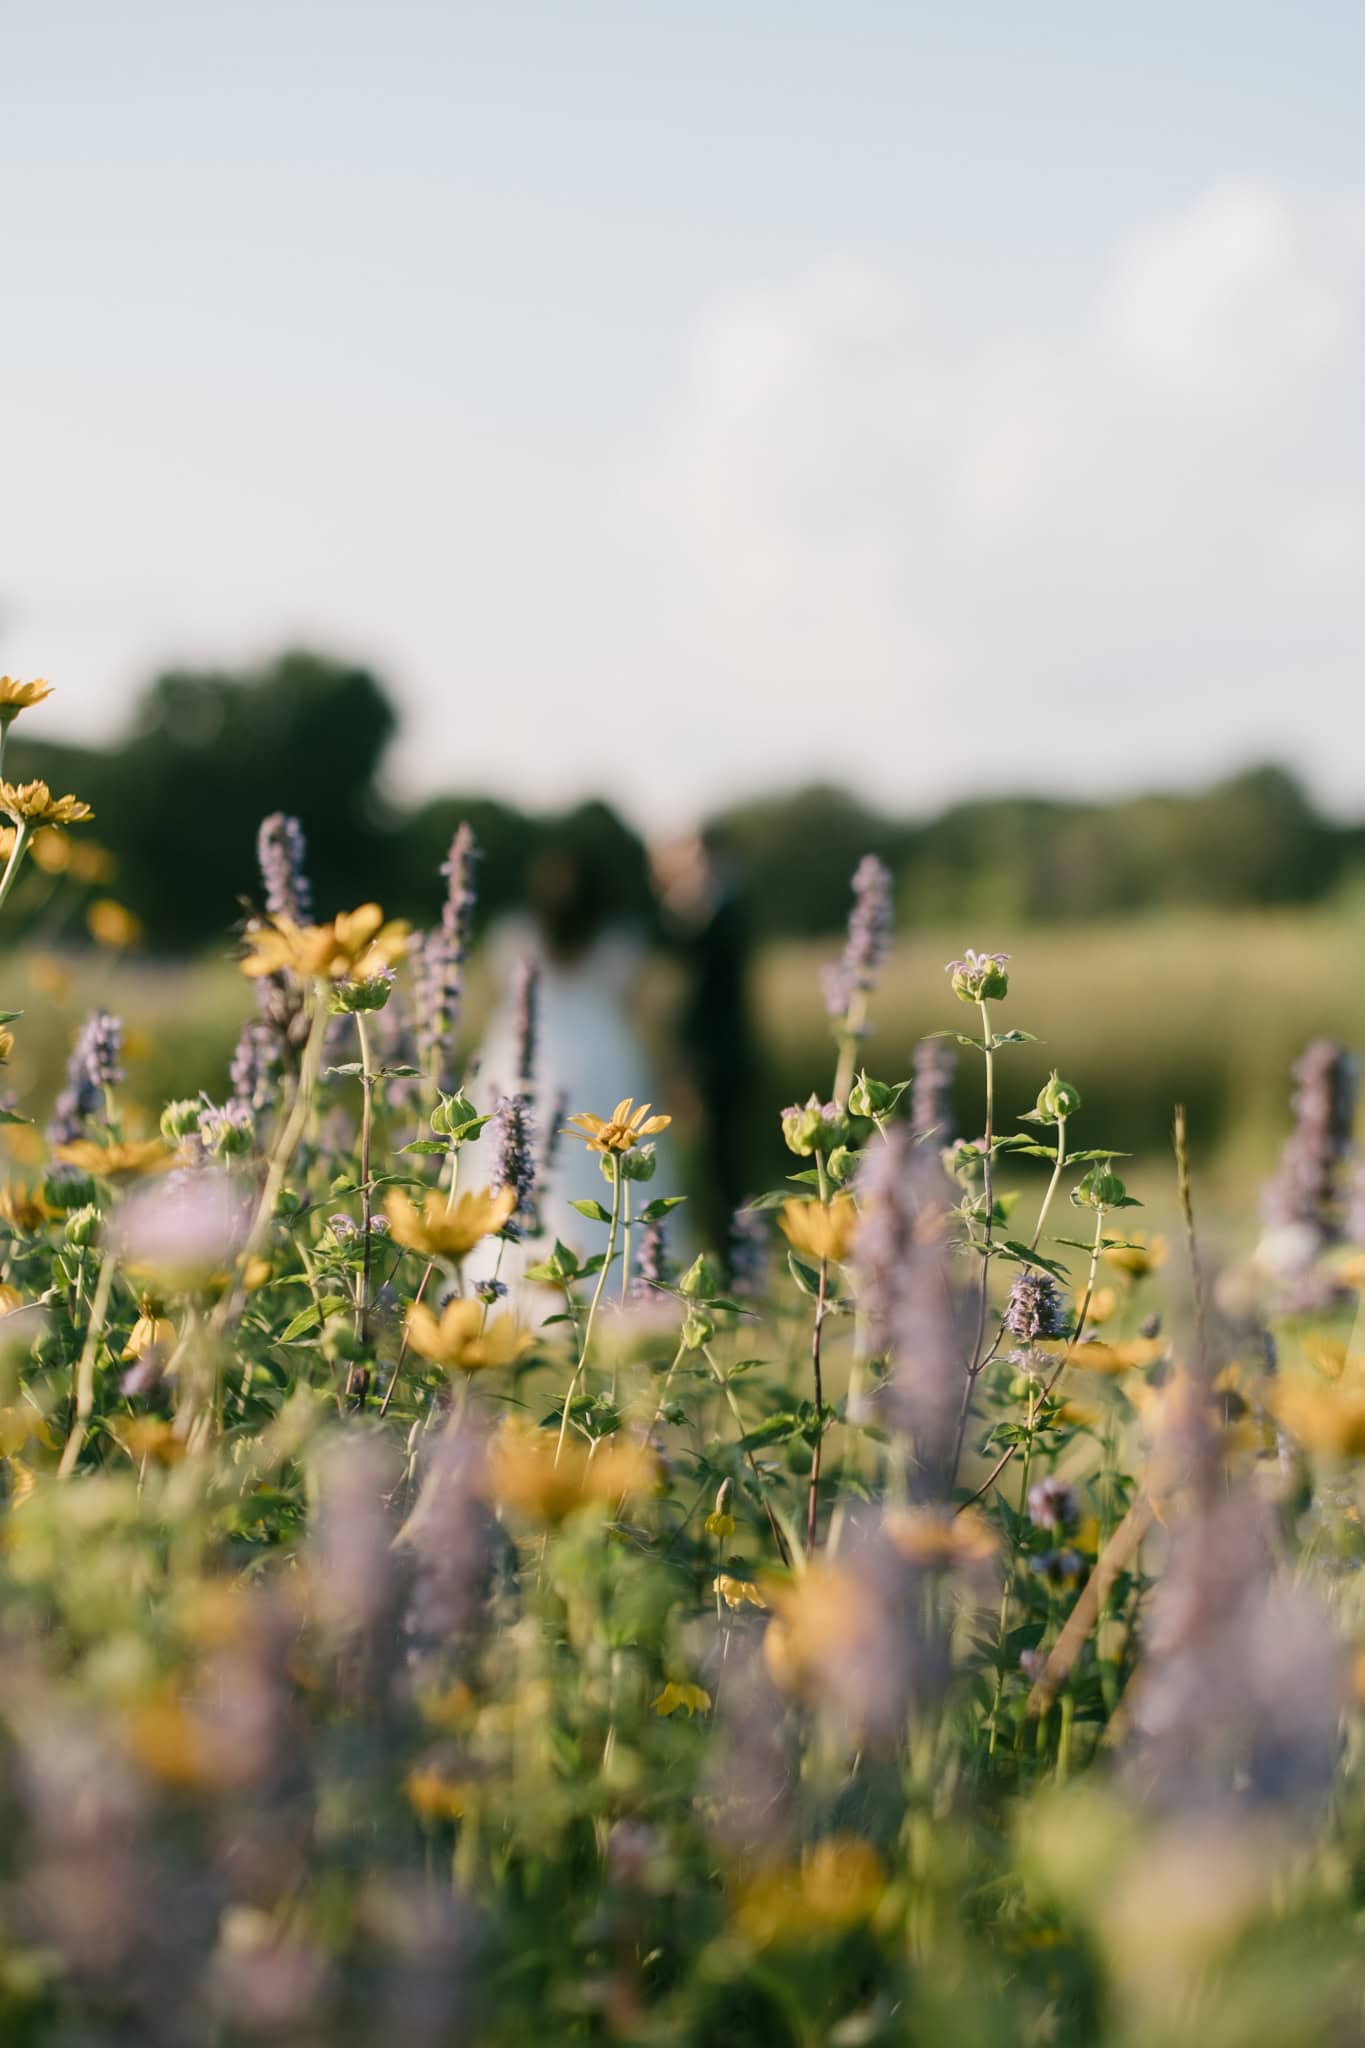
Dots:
{"x": 869, "y": 935}
{"x": 281, "y": 850}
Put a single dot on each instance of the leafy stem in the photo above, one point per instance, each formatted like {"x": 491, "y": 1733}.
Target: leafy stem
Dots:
{"x": 617, "y": 1183}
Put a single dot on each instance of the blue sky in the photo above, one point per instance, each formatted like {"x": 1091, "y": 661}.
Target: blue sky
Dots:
{"x": 678, "y": 401}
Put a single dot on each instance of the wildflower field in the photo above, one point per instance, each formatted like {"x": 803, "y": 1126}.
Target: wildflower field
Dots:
{"x": 930, "y": 1616}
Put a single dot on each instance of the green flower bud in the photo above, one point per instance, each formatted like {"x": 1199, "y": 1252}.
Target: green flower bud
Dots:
{"x": 82, "y": 1227}
{"x": 1057, "y": 1099}
{"x": 180, "y": 1120}
{"x": 68, "y": 1189}
{"x": 842, "y": 1164}
{"x": 872, "y": 1098}
{"x": 1100, "y": 1189}
{"x": 813, "y": 1126}
{"x": 371, "y": 994}
{"x": 452, "y": 1113}
{"x": 638, "y": 1164}
{"x": 697, "y": 1329}
{"x": 979, "y": 977}
{"x": 703, "y": 1279}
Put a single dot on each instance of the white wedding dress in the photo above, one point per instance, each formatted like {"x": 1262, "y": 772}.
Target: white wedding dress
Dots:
{"x": 588, "y": 1056}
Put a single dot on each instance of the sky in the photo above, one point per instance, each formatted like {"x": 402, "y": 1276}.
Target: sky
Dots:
{"x": 678, "y": 402}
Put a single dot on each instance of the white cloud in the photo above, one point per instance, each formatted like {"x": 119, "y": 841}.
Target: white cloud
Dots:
{"x": 1124, "y": 544}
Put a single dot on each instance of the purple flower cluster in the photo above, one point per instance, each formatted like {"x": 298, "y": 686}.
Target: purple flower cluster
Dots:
{"x": 651, "y": 1266}
{"x": 514, "y": 1163}
{"x": 870, "y": 925}
{"x": 281, "y": 851}
{"x": 438, "y": 960}
{"x": 913, "y": 1306}
{"x": 1052, "y": 1504}
{"x": 257, "y": 1065}
{"x": 1035, "y": 1310}
{"x": 95, "y": 1065}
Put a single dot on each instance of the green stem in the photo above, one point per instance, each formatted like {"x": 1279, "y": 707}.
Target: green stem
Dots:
{"x": 15, "y": 862}
{"x": 1051, "y": 1186}
{"x": 977, "y": 1364}
{"x": 85, "y": 1370}
{"x": 617, "y": 1184}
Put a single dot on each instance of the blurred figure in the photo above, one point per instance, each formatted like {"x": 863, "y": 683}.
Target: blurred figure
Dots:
{"x": 698, "y": 887}
{"x": 563, "y": 1032}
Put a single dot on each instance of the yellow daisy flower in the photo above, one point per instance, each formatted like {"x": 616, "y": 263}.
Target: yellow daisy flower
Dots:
{"x": 447, "y": 1230}
{"x": 16, "y": 696}
{"x": 32, "y": 803}
{"x": 619, "y": 1132}
{"x": 821, "y": 1230}
{"x": 532, "y": 1477}
{"x": 355, "y": 946}
{"x": 121, "y": 1160}
{"x": 458, "y": 1340}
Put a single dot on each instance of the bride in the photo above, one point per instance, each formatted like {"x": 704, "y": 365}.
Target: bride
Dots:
{"x": 564, "y": 1033}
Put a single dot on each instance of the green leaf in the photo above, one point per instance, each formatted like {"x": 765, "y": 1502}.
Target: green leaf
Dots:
{"x": 592, "y": 1210}
{"x": 350, "y": 1070}
{"x": 1014, "y": 1038}
{"x": 306, "y": 1319}
{"x": 9, "y": 1116}
{"x": 10, "y": 1016}
{"x": 778, "y": 1429}
{"x": 806, "y": 1278}
{"x": 1087, "y": 1158}
{"x": 426, "y": 1148}
{"x": 660, "y": 1206}
{"x": 1026, "y": 1257}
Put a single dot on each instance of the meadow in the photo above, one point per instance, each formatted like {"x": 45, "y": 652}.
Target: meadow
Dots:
{"x": 932, "y": 1615}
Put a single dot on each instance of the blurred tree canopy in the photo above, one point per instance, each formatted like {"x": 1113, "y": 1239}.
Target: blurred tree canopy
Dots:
{"x": 207, "y": 754}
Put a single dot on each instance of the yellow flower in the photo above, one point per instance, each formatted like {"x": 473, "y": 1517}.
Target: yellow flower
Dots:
{"x": 1324, "y": 1418}
{"x": 526, "y": 1475}
{"x": 16, "y": 696}
{"x": 458, "y": 1340}
{"x": 821, "y": 1231}
{"x": 18, "y": 1426}
{"x": 32, "y": 803}
{"x": 6, "y": 1045}
{"x": 148, "y": 1439}
{"x": 447, "y": 1230}
{"x": 24, "y": 1210}
{"x": 738, "y": 1592}
{"x": 355, "y": 946}
{"x": 149, "y": 1333}
{"x": 1094, "y": 1355}
{"x": 720, "y": 1525}
{"x": 110, "y": 924}
{"x": 691, "y": 1698}
{"x": 434, "y": 1796}
{"x": 821, "y": 1619}
{"x": 119, "y": 1160}
{"x": 621, "y": 1130}
{"x": 10, "y": 1299}
{"x": 1138, "y": 1256}
{"x": 838, "y": 1883}
{"x": 935, "y": 1537}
